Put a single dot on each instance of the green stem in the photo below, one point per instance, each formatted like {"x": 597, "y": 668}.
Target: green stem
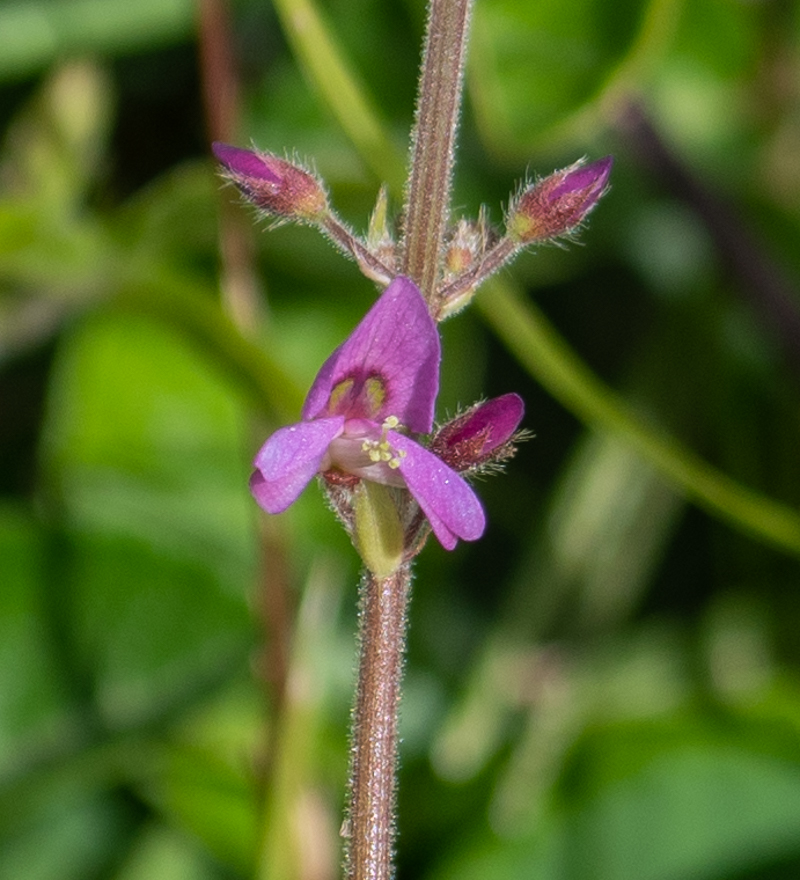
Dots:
{"x": 324, "y": 64}
{"x": 548, "y": 358}
{"x": 295, "y": 733}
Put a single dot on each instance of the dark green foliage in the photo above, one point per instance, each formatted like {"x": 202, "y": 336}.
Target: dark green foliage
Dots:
{"x": 607, "y": 686}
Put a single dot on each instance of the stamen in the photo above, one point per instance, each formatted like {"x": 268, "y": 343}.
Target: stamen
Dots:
{"x": 381, "y": 450}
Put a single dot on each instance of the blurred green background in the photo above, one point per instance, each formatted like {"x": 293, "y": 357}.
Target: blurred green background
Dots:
{"x": 606, "y": 686}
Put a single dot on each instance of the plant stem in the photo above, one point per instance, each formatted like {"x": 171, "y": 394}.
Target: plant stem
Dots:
{"x": 370, "y": 827}
{"x": 351, "y": 245}
{"x": 493, "y": 260}
{"x": 528, "y": 335}
{"x": 371, "y": 823}
{"x": 438, "y": 104}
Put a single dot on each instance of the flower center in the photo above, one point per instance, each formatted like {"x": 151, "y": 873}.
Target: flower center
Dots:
{"x": 363, "y": 452}
{"x": 381, "y": 450}
{"x": 358, "y": 397}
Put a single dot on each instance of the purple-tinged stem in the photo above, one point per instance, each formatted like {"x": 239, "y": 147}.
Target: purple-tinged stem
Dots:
{"x": 438, "y": 105}
{"x": 369, "y": 262}
{"x": 370, "y": 827}
{"x": 492, "y": 261}
{"x": 222, "y": 107}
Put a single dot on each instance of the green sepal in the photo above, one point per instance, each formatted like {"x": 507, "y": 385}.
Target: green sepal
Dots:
{"x": 378, "y": 530}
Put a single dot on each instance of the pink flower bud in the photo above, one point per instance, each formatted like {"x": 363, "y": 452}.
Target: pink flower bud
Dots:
{"x": 273, "y": 185}
{"x": 558, "y": 204}
{"x": 481, "y": 435}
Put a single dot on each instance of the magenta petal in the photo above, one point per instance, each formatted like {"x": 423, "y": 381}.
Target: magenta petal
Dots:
{"x": 446, "y": 538}
{"x": 497, "y": 419}
{"x": 505, "y": 413}
{"x": 448, "y": 501}
{"x": 592, "y": 179}
{"x": 286, "y": 463}
{"x": 397, "y": 342}
{"x": 244, "y": 162}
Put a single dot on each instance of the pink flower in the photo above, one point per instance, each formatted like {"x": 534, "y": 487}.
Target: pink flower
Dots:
{"x": 368, "y": 401}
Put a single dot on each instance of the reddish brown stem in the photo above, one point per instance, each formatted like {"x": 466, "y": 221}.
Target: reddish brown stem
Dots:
{"x": 371, "y": 825}
{"x": 370, "y": 264}
{"x": 438, "y": 105}
{"x": 219, "y": 80}
{"x": 492, "y": 261}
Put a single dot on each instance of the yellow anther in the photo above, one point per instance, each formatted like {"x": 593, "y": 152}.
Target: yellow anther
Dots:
{"x": 381, "y": 450}
{"x": 395, "y": 462}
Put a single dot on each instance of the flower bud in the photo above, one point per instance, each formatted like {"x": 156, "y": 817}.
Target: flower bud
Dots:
{"x": 558, "y": 204}
{"x": 273, "y": 185}
{"x": 380, "y": 242}
{"x": 465, "y": 247}
{"x": 480, "y": 436}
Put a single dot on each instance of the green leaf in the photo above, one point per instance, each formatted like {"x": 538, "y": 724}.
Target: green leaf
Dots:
{"x": 146, "y": 441}
{"x": 689, "y": 803}
{"x": 166, "y": 854}
{"x": 537, "y": 67}
{"x": 33, "y": 711}
{"x": 671, "y": 800}
{"x": 195, "y": 791}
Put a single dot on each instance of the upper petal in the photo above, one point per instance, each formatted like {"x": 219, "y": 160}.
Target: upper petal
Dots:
{"x": 396, "y": 343}
{"x": 286, "y": 463}
{"x": 448, "y": 501}
{"x": 246, "y": 163}
{"x": 500, "y": 415}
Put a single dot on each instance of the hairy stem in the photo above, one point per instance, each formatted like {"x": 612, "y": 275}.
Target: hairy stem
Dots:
{"x": 493, "y": 260}
{"x": 438, "y": 104}
{"x": 370, "y": 827}
{"x": 370, "y": 264}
